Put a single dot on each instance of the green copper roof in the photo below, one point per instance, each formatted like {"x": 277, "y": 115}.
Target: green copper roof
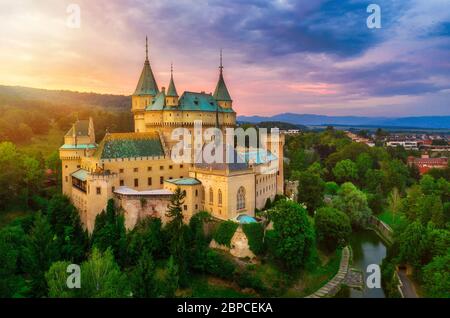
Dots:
{"x": 172, "y": 91}
{"x": 130, "y": 145}
{"x": 79, "y": 146}
{"x": 80, "y": 174}
{"x": 221, "y": 92}
{"x": 147, "y": 83}
{"x": 190, "y": 101}
{"x": 184, "y": 181}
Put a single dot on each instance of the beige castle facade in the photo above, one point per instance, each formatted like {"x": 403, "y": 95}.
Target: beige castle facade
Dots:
{"x": 136, "y": 169}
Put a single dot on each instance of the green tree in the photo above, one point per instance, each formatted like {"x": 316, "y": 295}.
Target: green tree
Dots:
{"x": 354, "y": 203}
{"x": 65, "y": 221}
{"x": 345, "y": 170}
{"x": 364, "y": 162}
{"x": 142, "y": 276}
{"x": 100, "y": 278}
{"x": 41, "y": 252}
{"x": 178, "y": 233}
{"x": 11, "y": 174}
{"x": 147, "y": 234}
{"x": 436, "y": 277}
{"x": 311, "y": 190}
{"x": 333, "y": 228}
{"x": 292, "y": 239}
{"x": 109, "y": 231}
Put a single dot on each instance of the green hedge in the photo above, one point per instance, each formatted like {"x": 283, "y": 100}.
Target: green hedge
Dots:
{"x": 255, "y": 236}
{"x": 225, "y": 232}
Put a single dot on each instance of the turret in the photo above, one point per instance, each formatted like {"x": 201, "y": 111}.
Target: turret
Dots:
{"x": 172, "y": 95}
{"x": 221, "y": 94}
{"x": 145, "y": 92}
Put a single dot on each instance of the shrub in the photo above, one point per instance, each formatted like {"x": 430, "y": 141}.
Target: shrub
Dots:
{"x": 225, "y": 232}
{"x": 218, "y": 265}
{"x": 333, "y": 228}
{"x": 255, "y": 236}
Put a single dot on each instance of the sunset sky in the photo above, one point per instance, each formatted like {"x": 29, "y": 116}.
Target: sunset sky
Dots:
{"x": 316, "y": 57}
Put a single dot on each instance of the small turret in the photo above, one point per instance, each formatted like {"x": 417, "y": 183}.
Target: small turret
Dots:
{"x": 221, "y": 94}
{"x": 172, "y": 95}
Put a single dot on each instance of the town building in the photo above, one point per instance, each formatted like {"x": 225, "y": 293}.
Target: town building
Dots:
{"x": 426, "y": 163}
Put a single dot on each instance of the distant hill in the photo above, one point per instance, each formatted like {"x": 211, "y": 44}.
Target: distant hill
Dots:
{"x": 15, "y": 93}
{"x": 435, "y": 122}
{"x": 272, "y": 124}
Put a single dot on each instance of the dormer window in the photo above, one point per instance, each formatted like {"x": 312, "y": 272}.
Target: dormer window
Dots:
{"x": 196, "y": 102}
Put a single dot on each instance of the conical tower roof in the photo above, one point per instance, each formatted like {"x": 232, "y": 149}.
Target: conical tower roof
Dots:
{"x": 172, "y": 90}
{"x": 147, "y": 83}
{"x": 221, "y": 91}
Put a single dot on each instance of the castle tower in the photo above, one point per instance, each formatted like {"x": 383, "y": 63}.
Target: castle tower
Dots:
{"x": 221, "y": 94}
{"x": 172, "y": 95}
{"x": 144, "y": 94}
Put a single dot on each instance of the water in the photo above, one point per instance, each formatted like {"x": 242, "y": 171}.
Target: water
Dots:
{"x": 368, "y": 249}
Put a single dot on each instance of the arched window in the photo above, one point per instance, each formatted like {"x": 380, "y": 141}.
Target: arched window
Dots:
{"x": 203, "y": 194}
{"x": 211, "y": 196}
{"x": 219, "y": 200}
{"x": 241, "y": 198}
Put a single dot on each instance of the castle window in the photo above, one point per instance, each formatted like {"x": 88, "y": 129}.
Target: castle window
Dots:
{"x": 149, "y": 181}
{"x": 149, "y": 168}
{"x": 181, "y": 166}
{"x": 67, "y": 179}
{"x": 240, "y": 199}
{"x": 121, "y": 183}
{"x": 211, "y": 196}
{"x": 185, "y": 207}
{"x": 196, "y": 192}
{"x": 220, "y": 197}
{"x": 121, "y": 170}
{"x": 161, "y": 167}
{"x": 135, "y": 169}
{"x": 170, "y": 167}
{"x": 113, "y": 188}
{"x": 99, "y": 190}
{"x": 203, "y": 194}
{"x": 161, "y": 180}
{"x": 196, "y": 206}
{"x": 136, "y": 182}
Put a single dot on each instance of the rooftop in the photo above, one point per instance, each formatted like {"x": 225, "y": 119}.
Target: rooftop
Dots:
{"x": 130, "y": 145}
{"x": 129, "y": 191}
{"x": 184, "y": 181}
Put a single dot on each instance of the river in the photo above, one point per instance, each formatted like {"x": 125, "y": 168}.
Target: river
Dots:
{"x": 368, "y": 248}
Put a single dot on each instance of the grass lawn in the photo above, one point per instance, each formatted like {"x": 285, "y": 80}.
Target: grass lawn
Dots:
{"x": 390, "y": 219}
{"x": 46, "y": 144}
{"x": 309, "y": 281}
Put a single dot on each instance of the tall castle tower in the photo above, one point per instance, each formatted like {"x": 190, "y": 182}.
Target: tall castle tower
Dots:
{"x": 221, "y": 94}
{"x": 145, "y": 92}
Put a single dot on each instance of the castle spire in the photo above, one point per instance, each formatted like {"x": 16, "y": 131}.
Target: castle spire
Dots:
{"x": 147, "y": 83}
{"x": 171, "y": 91}
{"x": 221, "y": 92}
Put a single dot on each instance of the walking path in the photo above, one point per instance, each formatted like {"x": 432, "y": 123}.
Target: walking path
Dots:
{"x": 333, "y": 286}
{"x": 406, "y": 286}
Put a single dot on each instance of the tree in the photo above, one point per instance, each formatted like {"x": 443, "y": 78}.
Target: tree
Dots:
{"x": 41, "y": 252}
{"x": 178, "y": 233}
{"x": 11, "y": 174}
{"x": 12, "y": 241}
{"x": 354, "y": 203}
{"x": 394, "y": 201}
{"x": 364, "y": 162}
{"x": 311, "y": 189}
{"x": 147, "y": 234}
{"x": 413, "y": 244}
{"x": 65, "y": 221}
{"x": 333, "y": 228}
{"x": 109, "y": 231}
{"x": 345, "y": 170}
{"x": 171, "y": 279}
{"x": 331, "y": 188}
{"x": 292, "y": 239}
{"x": 395, "y": 175}
{"x": 33, "y": 176}
{"x": 142, "y": 276}
{"x": 100, "y": 278}
{"x": 436, "y": 277}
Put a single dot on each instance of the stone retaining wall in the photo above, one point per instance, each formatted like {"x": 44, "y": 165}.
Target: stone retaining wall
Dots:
{"x": 334, "y": 285}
